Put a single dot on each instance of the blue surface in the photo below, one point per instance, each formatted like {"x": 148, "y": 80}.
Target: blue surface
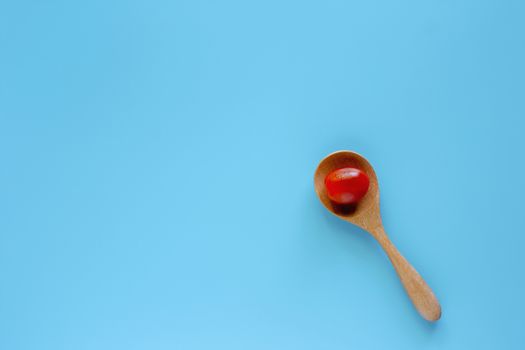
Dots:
{"x": 157, "y": 161}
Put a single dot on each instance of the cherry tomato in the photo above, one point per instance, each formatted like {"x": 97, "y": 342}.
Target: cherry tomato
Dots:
{"x": 346, "y": 185}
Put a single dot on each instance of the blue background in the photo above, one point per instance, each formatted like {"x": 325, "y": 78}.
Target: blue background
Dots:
{"x": 157, "y": 161}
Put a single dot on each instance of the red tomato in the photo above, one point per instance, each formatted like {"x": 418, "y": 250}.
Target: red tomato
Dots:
{"x": 346, "y": 185}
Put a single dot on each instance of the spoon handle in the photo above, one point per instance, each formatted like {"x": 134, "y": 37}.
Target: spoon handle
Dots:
{"x": 417, "y": 289}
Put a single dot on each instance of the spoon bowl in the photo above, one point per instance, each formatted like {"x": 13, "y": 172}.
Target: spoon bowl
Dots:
{"x": 367, "y": 207}
{"x": 366, "y": 214}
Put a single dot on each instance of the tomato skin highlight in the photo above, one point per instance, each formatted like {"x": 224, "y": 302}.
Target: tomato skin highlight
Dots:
{"x": 346, "y": 185}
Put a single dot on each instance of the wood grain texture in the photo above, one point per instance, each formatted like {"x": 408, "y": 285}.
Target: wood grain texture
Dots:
{"x": 367, "y": 216}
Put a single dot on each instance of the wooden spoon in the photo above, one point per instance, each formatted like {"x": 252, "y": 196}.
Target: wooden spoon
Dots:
{"x": 367, "y": 216}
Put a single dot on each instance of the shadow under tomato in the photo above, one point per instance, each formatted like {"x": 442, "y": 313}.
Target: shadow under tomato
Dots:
{"x": 344, "y": 209}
